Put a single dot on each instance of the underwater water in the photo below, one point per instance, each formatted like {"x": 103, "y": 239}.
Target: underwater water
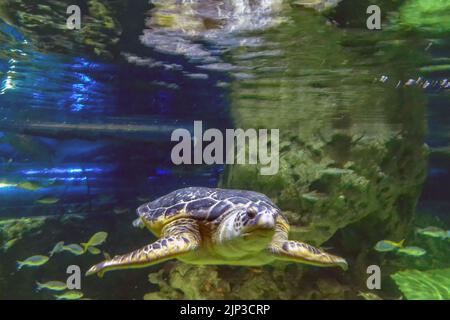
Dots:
{"x": 86, "y": 118}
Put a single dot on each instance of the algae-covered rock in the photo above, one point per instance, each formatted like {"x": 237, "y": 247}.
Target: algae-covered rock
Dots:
{"x": 346, "y": 156}
{"x": 424, "y": 285}
{"x": 426, "y": 15}
{"x": 165, "y": 292}
{"x": 281, "y": 281}
{"x": 13, "y": 230}
{"x": 319, "y": 5}
{"x": 43, "y": 23}
{"x": 261, "y": 284}
{"x": 188, "y": 282}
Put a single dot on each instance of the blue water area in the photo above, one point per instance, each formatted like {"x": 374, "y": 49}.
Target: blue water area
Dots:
{"x": 84, "y": 130}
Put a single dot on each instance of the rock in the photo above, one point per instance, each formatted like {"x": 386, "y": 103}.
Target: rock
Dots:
{"x": 189, "y": 282}
{"x": 44, "y": 25}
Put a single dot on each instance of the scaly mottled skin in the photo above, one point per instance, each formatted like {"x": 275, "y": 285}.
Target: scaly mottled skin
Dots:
{"x": 217, "y": 226}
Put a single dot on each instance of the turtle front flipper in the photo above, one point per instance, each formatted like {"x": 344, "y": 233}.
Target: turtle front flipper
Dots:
{"x": 181, "y": 237}
{"x": 296, "y": 251}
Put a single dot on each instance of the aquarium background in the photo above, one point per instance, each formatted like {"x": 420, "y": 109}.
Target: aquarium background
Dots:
{"x": 86, "y": 117}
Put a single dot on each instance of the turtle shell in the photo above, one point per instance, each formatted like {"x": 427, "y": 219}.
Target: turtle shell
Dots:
{"x": 200, "y": 203}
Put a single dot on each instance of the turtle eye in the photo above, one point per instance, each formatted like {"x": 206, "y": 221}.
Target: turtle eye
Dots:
{"x": 251, "y": 213}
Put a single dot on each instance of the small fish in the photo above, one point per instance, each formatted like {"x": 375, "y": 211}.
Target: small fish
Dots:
{"x": 306, "y": 2}
{"x": 137, "y": 223}
{"x": 51, "y": 285}
{"x": 433, "y": 232}
{"x": 9, "y": 244}
{"x": 94, "y": 250}
{"x": 70, "y": 295}
{"x": 95, "y": 240}
{"x": 74, "y": 249}
{"x": 256, "y": 270}
{"x": 412, "y": 251}
{"x": 119, "y": 210}
{"x": 197, "y": 76}
{"x": 387, "y": 245}
{"x": 34, "y": 261}
{"x": 143, "y": 199}
{"x": 314, "y": 196}
{"x": 28, "y": 185}
{"x": 336, "y": 171}
{"x": 47, "y": 200}
{"x": 7, "y": 16}
{"x": 369, "y": 296}
{"x": 6, "y": 184}
{"x": 57, "y": 248}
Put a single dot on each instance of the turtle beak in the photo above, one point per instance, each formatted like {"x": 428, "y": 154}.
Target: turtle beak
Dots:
{"x": 265, "y": 221}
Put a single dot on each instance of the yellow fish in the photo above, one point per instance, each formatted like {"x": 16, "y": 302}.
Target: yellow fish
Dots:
{"x": 6, "y": 184}
{"x": 9, "y": 244}
{"x": 94, "y": 250}
{"x": 388, "y": 245}
{"x": 95, "y": 240}
{"x": 434, "y": 232}
{"x": 70, "y": 295}
{"x": 28, "y": 185}
{"x": 34, "y": 261}
{"x": 74, "y": 249}
{"x": 412, "y": 251}
{"x": 51, "y": 285}
{"x": 57, "y": 248}
{"x": 48, "y": 200}
{"x": 369, "y": 296}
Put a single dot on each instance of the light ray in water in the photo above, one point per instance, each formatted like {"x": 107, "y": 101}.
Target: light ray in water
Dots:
{"x": 63, "y": 171}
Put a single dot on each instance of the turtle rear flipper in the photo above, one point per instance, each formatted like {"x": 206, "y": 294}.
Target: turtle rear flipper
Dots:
{"x": 296, "y": 251}
{"x": 180, "y": 238}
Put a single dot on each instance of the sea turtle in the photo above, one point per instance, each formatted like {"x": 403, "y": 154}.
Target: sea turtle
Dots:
{"x": 200, "y": 225}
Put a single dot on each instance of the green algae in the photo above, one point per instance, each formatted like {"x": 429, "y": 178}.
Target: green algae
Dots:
{"x": 15, "y": 229}
{"x": 424, "y": 285}
{"x": 189, "y": 282}
{"x": 334, "y": 171}
{"x": 182, "y": 281}
{"x": 100, "y": 29}
{"x": 426, "y": 15}
{"x": 343, "y": 181}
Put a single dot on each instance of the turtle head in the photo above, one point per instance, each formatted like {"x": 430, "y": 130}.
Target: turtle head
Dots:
{"x": 254, "y": 225}
{"x": 257, "y": 220}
